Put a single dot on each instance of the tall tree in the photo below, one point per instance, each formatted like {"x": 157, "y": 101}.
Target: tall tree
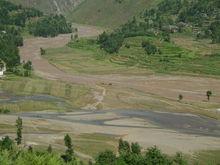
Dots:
{"x": 69, "y": 154}
{"x": 208, "y": 94}
{"x": 19, "y": 130}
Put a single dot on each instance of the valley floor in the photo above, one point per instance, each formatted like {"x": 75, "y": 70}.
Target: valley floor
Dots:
{"x": 172, "y": 132}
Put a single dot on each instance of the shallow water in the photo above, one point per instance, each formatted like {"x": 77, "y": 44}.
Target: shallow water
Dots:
{"x": 185, "y": 123}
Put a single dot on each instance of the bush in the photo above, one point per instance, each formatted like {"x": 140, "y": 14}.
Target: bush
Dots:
{"x": 6, "y": 144}
{"x": 106, "y": 158}
{"x": 111, "y": 43}
{"x": 150, "y": 48}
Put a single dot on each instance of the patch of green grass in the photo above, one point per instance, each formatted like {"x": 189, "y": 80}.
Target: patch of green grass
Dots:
{"x": 24, "y": 106}
{"x": 207, "y": 157}
{"x": 108, "y": 13}
{"x": 64, "y": 95}
{"x": 92, "y": 144}
{"x": 96, "y": 143}
{"x": 85, "y": 56}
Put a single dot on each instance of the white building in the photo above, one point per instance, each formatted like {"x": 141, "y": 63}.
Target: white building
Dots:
{"x": 2, "y": 68}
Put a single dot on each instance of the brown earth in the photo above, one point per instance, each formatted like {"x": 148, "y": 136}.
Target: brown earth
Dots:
{"x": 136, "y": 90}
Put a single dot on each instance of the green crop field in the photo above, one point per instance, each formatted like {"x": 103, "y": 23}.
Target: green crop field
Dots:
{"x": 35, "y": 94}
{"x": 85, "y": 56}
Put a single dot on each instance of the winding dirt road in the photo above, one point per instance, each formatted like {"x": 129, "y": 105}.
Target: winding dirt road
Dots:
{"x": 162, "y": 86}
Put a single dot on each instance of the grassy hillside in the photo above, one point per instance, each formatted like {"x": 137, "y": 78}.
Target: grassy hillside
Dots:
{"x": 50, "y": 6}
{"x": 108, "y": 13}
{"x": 85, "y": 56}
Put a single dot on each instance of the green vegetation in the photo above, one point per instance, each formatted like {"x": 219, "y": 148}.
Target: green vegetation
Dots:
{"x": 84, "y": 56}
{"x": 19, "y": 131}
{"x": 50, "y": 26}
{"x": 208, "y": 94}
{"x": 69, "y": 154}
{"x": 13, "y": 23}
{"x": 207, "y": 157}
{"x": 4, "y": 111}
{"x": 130, "y": 156}
{"x": 58, "y": 95}
{"x": 13, "y": 19}
{"x": 49, "y": 6}
{"x": 11, "y": 154}
{"x": 108, "y": 13}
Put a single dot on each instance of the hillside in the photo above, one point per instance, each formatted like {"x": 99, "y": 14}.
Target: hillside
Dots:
{"x": 50, "y": 6}
{"x": 108, "y": 13}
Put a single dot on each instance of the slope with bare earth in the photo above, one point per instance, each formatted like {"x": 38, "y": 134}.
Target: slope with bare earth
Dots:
{"x": 50, "y": 6}
{"x": 108, "y": 13}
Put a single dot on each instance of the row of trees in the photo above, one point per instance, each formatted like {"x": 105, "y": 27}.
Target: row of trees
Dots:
{"x": 132, "y": 155}
{"x": 128, "y": 154}
{"x": 49, "y": 26}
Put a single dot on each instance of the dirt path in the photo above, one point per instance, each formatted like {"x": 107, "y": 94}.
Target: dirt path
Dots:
{"x": 169, "y": 87}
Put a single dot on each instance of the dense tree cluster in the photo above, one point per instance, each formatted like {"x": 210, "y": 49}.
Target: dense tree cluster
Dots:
{"x": 177, "y": 15}
{"x": 131, "y": 155}
{"x": 12, "y": 14}
{"x": 111, "y": 43}
{"x": 50, "y": 26}
{"x": 169, "y": 16}
{"x": 9, "y": 51}
{"x": 13, "y": 19}
{"x": 150, "y": 48}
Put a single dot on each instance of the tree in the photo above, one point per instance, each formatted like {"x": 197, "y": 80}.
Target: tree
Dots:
{"x": 208, "y": 94}
{"x": 19, "y": 131}
{"x": 69, "y": 154}
{"x": 49, "y": 149}
{"x": 106, "y": 158}
{"x": 135, "y": 148}
{"x": 124, "y": 147}
{"x": 42, "y": 51}
{"x": 150, "y": 48}
{"x": 111, "y": 43}
{"x": 215, "y": 29}
{"x": 155, "y": 157}
{"x": 28, "y": 68}
{"x": 180, "y": 97}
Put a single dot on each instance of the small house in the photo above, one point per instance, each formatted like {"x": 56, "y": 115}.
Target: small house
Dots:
{"x": 2, "y": 68}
